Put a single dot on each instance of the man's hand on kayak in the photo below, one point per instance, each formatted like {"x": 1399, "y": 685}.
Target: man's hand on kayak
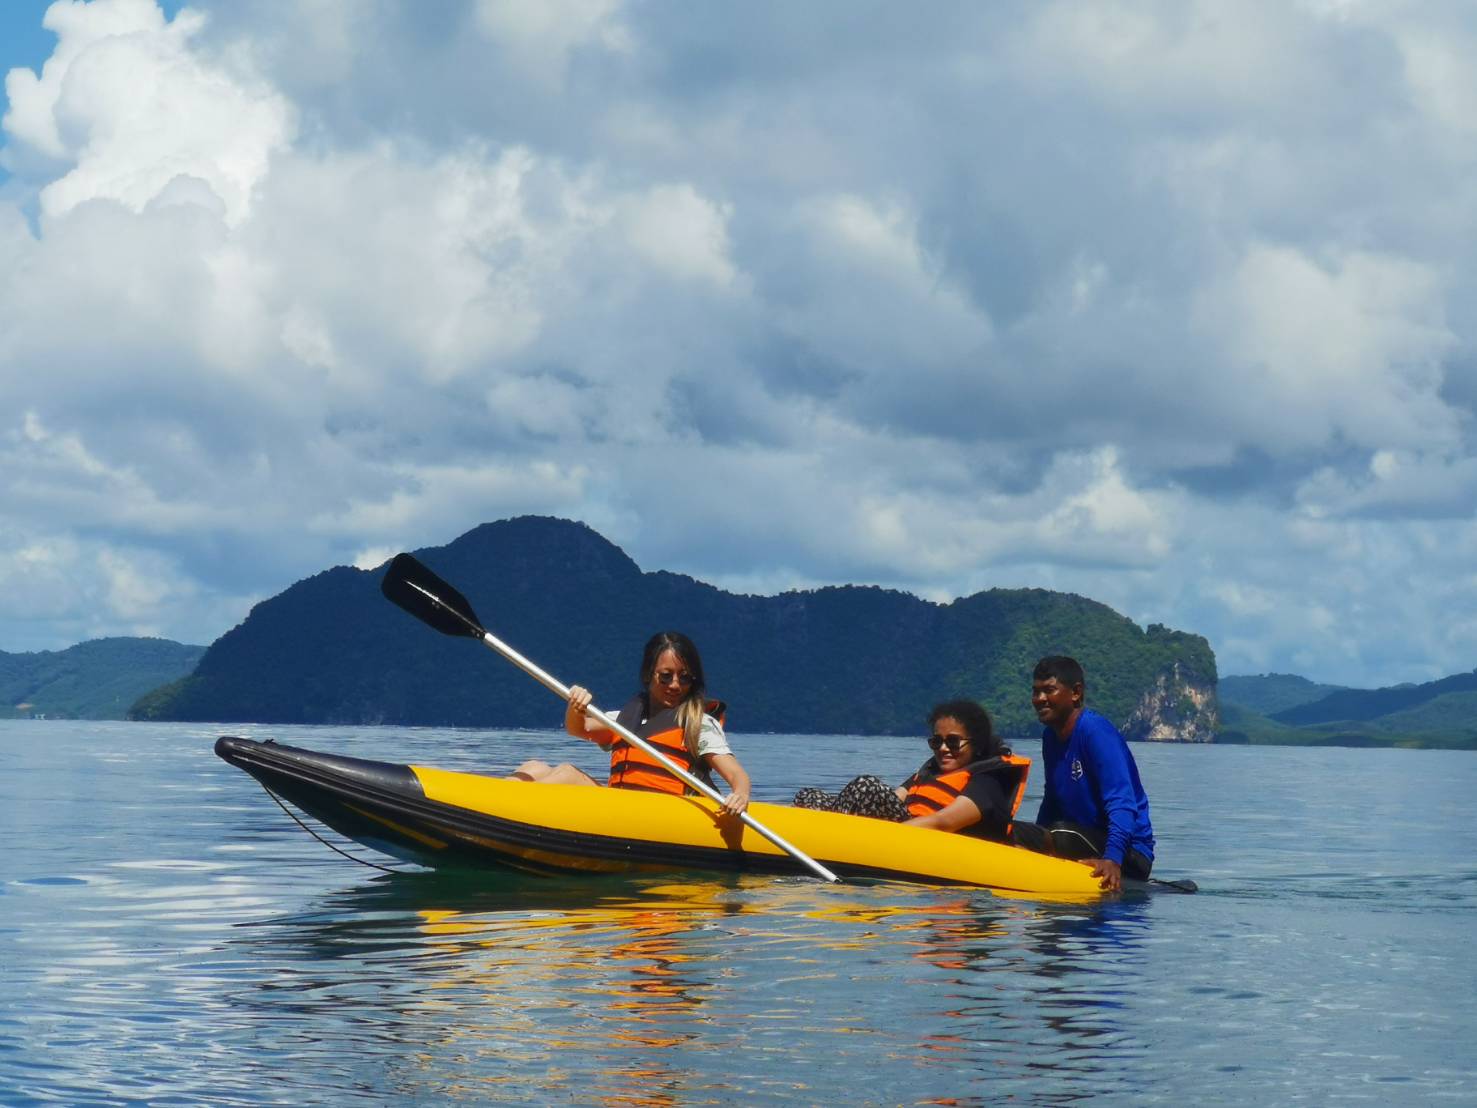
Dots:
{"x": 1109, "y": 872}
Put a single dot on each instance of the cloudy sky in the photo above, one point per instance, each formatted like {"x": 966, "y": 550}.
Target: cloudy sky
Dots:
{"x": 1171, "y": 304}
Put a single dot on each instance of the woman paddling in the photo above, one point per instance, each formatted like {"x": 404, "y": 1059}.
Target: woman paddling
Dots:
{"x": 671, "y": 714}
{"x": 972, "y": 784}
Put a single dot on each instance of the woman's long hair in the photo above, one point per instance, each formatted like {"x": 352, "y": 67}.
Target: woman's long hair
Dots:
{"x": 690, "y": 708}
{"x": 977, "y": 724}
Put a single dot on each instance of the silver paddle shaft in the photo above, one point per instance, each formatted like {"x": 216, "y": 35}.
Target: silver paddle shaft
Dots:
{"x": 554, "y": 685}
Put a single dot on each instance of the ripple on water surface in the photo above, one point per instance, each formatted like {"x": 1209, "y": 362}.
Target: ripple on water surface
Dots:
{"x": 171, "y": 937}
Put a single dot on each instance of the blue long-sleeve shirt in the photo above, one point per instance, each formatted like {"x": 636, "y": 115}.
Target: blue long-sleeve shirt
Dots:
{"x": 1091, "y": 779}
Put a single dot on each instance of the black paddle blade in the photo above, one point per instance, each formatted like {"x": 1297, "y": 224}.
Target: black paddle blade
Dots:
{"x": 1182, "y": 886}
{"x": 431, "y": 600}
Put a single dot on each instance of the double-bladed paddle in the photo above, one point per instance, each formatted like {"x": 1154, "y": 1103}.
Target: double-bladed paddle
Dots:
{"x": 420, "y": 592}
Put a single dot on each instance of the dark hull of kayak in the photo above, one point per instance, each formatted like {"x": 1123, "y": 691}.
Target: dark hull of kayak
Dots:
{"x": 353, "y": 796}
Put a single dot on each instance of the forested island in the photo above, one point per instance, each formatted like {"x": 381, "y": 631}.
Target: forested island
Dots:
{"x": 847, "y": 659}
{"x": 99, "y": 679}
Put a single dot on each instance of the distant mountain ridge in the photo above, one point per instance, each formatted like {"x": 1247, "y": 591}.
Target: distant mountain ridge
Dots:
{"x": 1285, "y": 709}
{"x": 847, "y": 659}
{"x": 1370, "y": 704}
{"x": 98, "y": 679}
{"x": 1272, "y": 692}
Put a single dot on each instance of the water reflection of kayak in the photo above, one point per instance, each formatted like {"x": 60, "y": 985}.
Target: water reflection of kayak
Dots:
{"x": 439, "y": 818}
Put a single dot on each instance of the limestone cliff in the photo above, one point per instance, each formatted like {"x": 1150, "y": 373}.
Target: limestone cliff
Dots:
{"x": 1179, "y": 707}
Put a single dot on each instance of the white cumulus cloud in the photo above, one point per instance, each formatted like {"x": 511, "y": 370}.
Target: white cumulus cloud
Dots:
{"x": 1137, "y": 300}
{"x": 130, "y": 109}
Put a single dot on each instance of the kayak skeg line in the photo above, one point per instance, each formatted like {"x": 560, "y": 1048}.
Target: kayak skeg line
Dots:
{"x": 445, "y": 819}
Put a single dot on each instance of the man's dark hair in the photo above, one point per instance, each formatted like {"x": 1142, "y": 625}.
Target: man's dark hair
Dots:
{"x": 1067, "y": 671}
{"x": 977, "y": 725}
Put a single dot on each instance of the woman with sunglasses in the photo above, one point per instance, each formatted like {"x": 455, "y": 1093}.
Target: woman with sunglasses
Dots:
{"x": 671, "y": 714}
{"x": 971, "y": 784}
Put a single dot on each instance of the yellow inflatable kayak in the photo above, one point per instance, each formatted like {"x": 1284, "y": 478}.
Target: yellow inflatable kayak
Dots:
{"x": 439, "y": 818}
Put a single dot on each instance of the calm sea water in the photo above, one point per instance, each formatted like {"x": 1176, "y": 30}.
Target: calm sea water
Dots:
{"x": 168, "y": 936}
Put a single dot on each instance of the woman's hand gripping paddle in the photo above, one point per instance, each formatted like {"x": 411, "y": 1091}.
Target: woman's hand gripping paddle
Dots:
{"x": 424, "y": 595}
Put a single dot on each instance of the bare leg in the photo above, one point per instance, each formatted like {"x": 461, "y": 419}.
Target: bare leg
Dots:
{"x": 562, "y": 774}
{"x": 566, "y": 774}
{"x": 532, "y": 770}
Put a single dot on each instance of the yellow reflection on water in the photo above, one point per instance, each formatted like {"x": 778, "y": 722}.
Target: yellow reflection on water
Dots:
{"x": 627, "y": 975}
{"x": 637, "y": 981}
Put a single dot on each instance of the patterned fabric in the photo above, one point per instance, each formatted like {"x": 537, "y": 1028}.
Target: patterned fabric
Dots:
{"x": 862, "y": 796}
{"x": 815, "y": 799}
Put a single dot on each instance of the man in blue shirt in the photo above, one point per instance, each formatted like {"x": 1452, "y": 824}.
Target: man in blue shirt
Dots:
{"x": 1094, "y": 809}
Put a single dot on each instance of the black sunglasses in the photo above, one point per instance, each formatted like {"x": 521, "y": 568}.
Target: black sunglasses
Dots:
{"x": 953, "y": 742}
{"x": 666, "y": 677}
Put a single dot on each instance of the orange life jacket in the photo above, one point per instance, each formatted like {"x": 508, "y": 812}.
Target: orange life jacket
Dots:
{"x": 932, "y": 794}
{"x": 633, "y": 768}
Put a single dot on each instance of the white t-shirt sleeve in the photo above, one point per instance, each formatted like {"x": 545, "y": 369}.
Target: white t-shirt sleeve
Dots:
{"x": 710, "y": 739}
